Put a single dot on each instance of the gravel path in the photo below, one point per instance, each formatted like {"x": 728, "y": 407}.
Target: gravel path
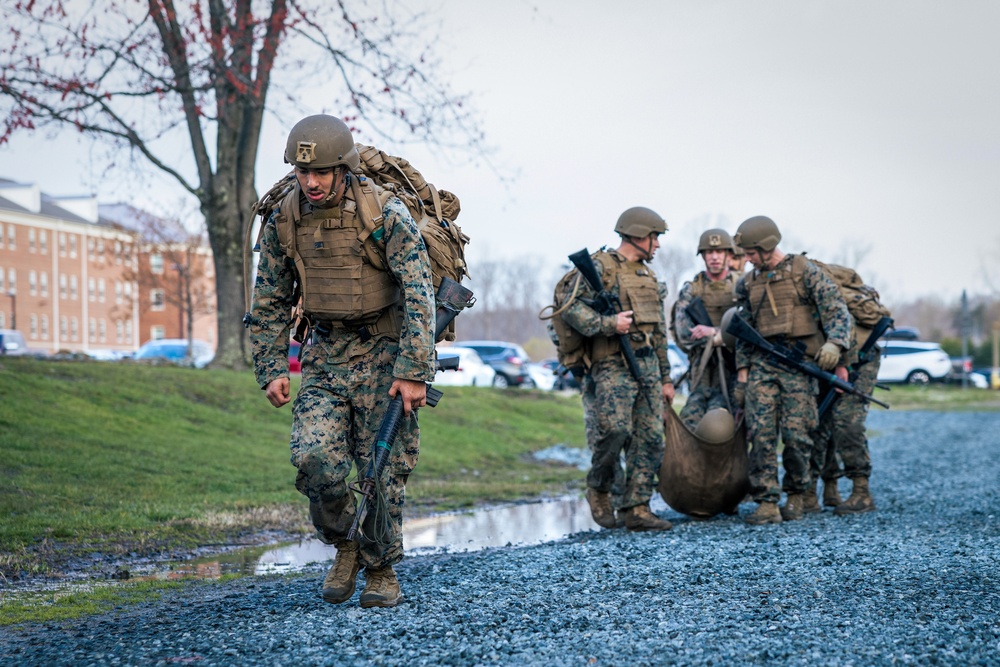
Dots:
{"x": 917, "y": 582}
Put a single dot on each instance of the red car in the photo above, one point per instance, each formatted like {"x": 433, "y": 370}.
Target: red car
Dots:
{"x": 293, "y": 358}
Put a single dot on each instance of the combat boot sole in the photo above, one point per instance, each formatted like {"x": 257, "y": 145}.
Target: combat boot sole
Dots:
{"x": 381, "y": 589}
{"x": 859, "y": 508}
{"x": 764, "y": 515}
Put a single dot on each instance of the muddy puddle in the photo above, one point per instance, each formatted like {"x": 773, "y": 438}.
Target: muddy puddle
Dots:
{"x": 509, "y": 525}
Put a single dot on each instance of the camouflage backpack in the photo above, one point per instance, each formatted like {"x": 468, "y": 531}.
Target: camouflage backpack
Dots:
{"x": 433, "y": 210}
{"x": 862, "y": 300}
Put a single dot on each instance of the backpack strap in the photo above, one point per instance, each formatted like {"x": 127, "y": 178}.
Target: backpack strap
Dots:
{"x": 370, "y": 203}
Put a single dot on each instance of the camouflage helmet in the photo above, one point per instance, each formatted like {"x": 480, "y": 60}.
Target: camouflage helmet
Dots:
{"x": 728, "y": 339}
{"x": 716, "y": 427}
{"x": 758, "y": 232}
{"x": 321, "y": 141}
{"x": 640, "y": 222}
{"x": 715, "y": 239}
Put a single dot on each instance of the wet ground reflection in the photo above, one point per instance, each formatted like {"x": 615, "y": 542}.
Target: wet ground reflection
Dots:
{"x": 524, "y": 524}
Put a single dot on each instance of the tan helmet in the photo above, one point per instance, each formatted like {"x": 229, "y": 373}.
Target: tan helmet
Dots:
{"x": 716, "y": 427}
{"x": 715, "y": 239}
{"x": 758, "y": 232}
{"x": 728, "y": 339}
{"x": 321, "y": 141}
{"x": 640, "y": 222}
{"x": 738, "y": 251}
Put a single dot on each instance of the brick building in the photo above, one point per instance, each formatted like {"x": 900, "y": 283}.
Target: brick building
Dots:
{"x": 76, "y": 276}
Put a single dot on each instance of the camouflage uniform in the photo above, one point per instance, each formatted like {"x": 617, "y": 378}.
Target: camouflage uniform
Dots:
{"x": 841, "y": 429}
{"x": 345, "y": 384}
{"x": 707, "y": 393}
{"x": 783, "y": 399}
{"x": 624, "y": 422}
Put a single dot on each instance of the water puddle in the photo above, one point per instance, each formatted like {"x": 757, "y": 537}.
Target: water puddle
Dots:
{"x": 509, "y": 525}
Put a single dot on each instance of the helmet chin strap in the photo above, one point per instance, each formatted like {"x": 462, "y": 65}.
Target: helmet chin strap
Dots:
{"x": 336, "y": 192}
{"x": 646, "y": 256}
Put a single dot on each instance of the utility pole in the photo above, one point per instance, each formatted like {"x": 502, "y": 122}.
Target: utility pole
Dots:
{"x": 965, "y": 339}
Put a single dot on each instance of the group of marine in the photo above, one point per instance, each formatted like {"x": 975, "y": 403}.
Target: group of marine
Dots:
{"x": 345, "y": 269}
{"x": 791, "y": 301}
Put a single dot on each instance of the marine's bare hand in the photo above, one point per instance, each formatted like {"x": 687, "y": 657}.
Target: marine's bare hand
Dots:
{"x": 413, "y": 393}
{"x": 278, "y": 392}
{"x": 624, "y": 322}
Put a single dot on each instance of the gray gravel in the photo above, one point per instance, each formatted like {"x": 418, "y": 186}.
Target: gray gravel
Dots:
{"x": 917, "y": 582}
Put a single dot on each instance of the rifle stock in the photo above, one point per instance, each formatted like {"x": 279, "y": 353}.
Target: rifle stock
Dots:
{"x": 698, "y": 313}
{"x": 793, "y": 359}
{"x": 877, "y": 332}
{"x": 607, "y": 303}
{"x": 451, "y": 299}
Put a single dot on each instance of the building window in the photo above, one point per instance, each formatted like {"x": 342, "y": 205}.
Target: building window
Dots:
{"x": 43, "y": 242}
{"x": 1, "y": 234}
{"x": 43, "y": 283}
{"x": 73, "y": 294}
{"x": 92, "y": 329}
{"x": 3, "y": 320}
{"x": 119, "y": 331}
{"x": 32, "y": 283}
{"x": 157, "y": 332}
{"x": 72, "y": 245}
{"x": 31, "y": 239}
{"x": 11, "y": 237}
{"x": 100, "y": 247}
{"x": 1, "y": 279}
{"x": 62, "y": 244}
{"x": 62, "y": 286}
{"x": 156, "y": 263}
{"x": 118, "y": 252}
{"x": 12, "y": 280}
{"x": 33, "y": 326}
{"x": 90, "y": 248}
{"x": 45, "y": 327}
{"x": 128, "y": 330}
{"x": 74, "y": 329}
{"x": 63, "y": 328}
{"x": 101, "y": 290}
{"x": 91, "y": 289}
{"x": 118, "y": 292}
{"x": 102, "y": 330}
{"x": 156, "y": 301}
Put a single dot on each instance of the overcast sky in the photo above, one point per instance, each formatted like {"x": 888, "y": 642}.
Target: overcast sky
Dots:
{"x": 855, "y": 124}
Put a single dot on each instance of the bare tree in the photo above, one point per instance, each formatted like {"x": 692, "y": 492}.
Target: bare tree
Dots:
{"x": 148, "y": 76}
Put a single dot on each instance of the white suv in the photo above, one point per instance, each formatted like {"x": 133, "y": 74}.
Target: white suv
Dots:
{"x": 912, "y": 362}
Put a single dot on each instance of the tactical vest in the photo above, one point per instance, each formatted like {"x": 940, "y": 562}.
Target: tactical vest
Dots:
{"x": 342, "y": 277}
{"x": 718, "y": 296}
{"x": 781, "y": 305}
{"x": 637, "y": 291}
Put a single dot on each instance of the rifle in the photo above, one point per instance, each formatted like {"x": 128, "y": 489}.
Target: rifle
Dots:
{"x": 451, "y": 299}
{"x": 698, "y": 313}
{"x": 793, "y": 358}
{"x": 883, "y": 325}
{"x": 607, "y": 303}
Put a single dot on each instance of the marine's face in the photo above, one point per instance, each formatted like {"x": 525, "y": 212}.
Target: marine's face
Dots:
{"x": 715, "y": 261}
{"x": 649, "y": 245}
{"x": 756, "y": 257}
{"x": 317, "y": 184}
{"x": 737, "y": 262}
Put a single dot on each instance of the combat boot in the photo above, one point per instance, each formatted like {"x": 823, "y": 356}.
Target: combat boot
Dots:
{"x": 640, "y": 518}
{"x": 381, "y": 588}
{"x": 793, "y": 509}
{"x": 810, "y": 502}
{"x": 342, "y": 578}
{"x": 600, "y": 508}
{"x": 765, "y": 513}
{"x": 860, "y": 500}
{"x": 831, "y": 495}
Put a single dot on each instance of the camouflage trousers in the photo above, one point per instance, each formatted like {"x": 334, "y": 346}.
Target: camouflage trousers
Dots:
{"x": 841, "y": 431}
{"x": 626, "y": 424}
{"x": 336, "y": 417}
{"x": 779, "y": 400}
{"x": 706, "y": 395}
{"x": 589, "y": 399}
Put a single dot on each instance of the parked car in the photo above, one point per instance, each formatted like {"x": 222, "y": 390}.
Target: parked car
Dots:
{"x": 472, "y": 371}
{"x": 902, "y": 333}
{"x": 678, "y": 365}
{"x": 12, "y": 342}
{"x": 563, "y": 378}
{"x": 507, "y": 359}
{"x": 541, "y": 377}
{"x": 294, "y": 365}
{"x": 912, "y": 362}
{"x": 175, "y": 350}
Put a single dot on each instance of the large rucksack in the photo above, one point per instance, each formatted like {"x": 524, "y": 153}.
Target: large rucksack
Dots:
{"x": 433, "y": 210}
{"x": 571, "y": 346}
{"x": 862, "y": 300}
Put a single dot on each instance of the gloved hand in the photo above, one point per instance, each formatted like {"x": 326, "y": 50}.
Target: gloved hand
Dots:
{"x": 739, "y": 394}
{"x": 828, "y": 356}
